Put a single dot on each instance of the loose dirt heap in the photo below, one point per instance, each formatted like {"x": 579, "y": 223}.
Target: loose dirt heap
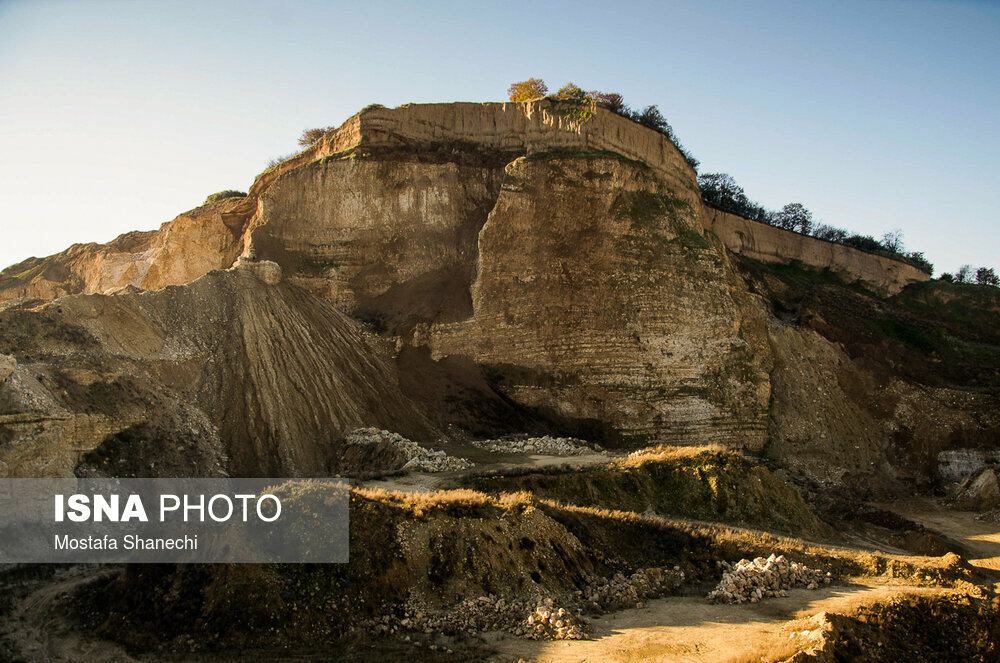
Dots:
{"x": 553, "y": 446}
{"x": 399, "y": 452}
{"x": 538, "y": 619}
{"x": 764, "y": 578}
{"x": 550, "y": 618}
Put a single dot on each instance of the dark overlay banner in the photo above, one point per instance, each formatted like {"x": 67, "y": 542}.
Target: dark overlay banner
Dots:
{"x": 174, "y": 520}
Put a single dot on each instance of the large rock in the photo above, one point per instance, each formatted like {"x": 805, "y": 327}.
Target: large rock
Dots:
{"x": 7, "y": 366}
{"x": 598, "y": 300}
{"x": 981, "y": 492}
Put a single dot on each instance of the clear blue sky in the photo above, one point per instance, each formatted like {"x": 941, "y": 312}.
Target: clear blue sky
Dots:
{"x": 117, "y": 116}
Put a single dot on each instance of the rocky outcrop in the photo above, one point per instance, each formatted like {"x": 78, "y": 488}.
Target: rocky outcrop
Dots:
{"x": 598, "y": 300}
{"x": 980, "y": 492}
{"x": 957, "y": 465}
{"x": 549, "y": 261}
{"x": 776, "y": 245}
{"x": 181, "y": 251}
{"x": 207, "y": 238}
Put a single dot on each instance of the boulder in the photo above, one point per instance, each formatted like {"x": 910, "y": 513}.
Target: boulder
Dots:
{"x": 980, "y": 492}
{"x": 7, "y": 366}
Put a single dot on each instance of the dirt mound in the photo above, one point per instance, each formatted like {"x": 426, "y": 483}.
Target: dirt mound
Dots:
{"x": 374, "y": 450}
{"x": 438, "y": 549}
{"x": 227, "y": 374}
{"x": 708, "y": 485}
{"x": 951, "y": 628}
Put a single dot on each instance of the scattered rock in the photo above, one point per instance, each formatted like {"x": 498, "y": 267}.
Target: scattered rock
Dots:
{"x": 417, "y": 457}
{"x": 764, "y": 578}
{"x": 541, "y": 618}
{"x": 552, "y": 446}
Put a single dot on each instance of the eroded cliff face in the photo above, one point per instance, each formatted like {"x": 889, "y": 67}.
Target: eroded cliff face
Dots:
{"x": 391, "y": 240}
{"x": 598, "y": 301}
{"x": 561, "y": 258}
{"x": 196, "y": 242}
{"x": 775, "y": 245}
{"x": 867, "y": 391}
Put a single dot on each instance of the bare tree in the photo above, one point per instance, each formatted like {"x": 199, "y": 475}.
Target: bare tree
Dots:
{"x": 893, "y": 241}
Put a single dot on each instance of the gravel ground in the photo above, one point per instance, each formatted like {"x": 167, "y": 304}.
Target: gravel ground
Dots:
{"x": 554, "y": 446}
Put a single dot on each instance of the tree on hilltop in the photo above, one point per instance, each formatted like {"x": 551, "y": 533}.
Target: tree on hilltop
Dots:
{"x": 986, "y": 276}
{"x": 794, "y": 216}
{"x": 613, "y": 101}
{"x": 721, "y": 190}
{"x": 533, "y": 88}
{"x": 829, "y": 233}
{"x": 310, "y": 136}
{"x": 651, "y": 117}
{"x": 893, "y": 241}
{"x": 571, "y": 92}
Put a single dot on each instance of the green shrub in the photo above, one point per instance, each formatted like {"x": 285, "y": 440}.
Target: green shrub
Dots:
{"x": 222, "y": 195}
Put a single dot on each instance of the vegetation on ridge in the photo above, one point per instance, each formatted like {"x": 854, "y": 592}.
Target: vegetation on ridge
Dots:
{"x": 571, "y": 93}
{"x": 310, "y": 136}
{"x": 721, "y": 191}
{"x": 222, "y": 195}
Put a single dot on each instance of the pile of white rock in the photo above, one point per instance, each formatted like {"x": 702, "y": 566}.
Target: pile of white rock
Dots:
{"x": 551, "y": 446}
{"x": 763, "y": 578}
{"x": 620, "y": 591}
{"x": 547, "y": 622}
{"x": 418, "y": 458}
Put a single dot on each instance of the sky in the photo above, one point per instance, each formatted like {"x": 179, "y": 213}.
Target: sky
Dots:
{"x": 876, "y": 115}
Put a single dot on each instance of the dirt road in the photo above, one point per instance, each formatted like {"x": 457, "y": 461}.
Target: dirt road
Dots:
{"x": 683, "y": 629}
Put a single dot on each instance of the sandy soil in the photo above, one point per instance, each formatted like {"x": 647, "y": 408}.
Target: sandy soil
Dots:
{"x": 980, "y": 538}
{"x": 692, "y": 629}
{"x": 685, "y": 628}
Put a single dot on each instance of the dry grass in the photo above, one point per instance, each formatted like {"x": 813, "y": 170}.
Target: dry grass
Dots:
{"x": 463, "y": 499}
{"x": 665, "y": 452}
{"x": 733, "y": 543}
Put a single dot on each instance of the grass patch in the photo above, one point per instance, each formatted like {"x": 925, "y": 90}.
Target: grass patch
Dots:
{"x": 575, "y": 111}
{"x": 798, "y": 274}
{"x": 223, "y": 195}
{"x": 906, "y": 333}
{"x": 318, "y": 268}
{"x": 585, "y": 154}
{"x": 644, "y": 208}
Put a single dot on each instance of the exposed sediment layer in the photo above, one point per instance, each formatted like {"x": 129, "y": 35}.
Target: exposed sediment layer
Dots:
{"x": 776, "y": 245}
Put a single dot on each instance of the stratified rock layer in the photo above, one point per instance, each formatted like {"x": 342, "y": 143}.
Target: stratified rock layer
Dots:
{"x": 546, "y": 264}
{"x": 597, "y": 299}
